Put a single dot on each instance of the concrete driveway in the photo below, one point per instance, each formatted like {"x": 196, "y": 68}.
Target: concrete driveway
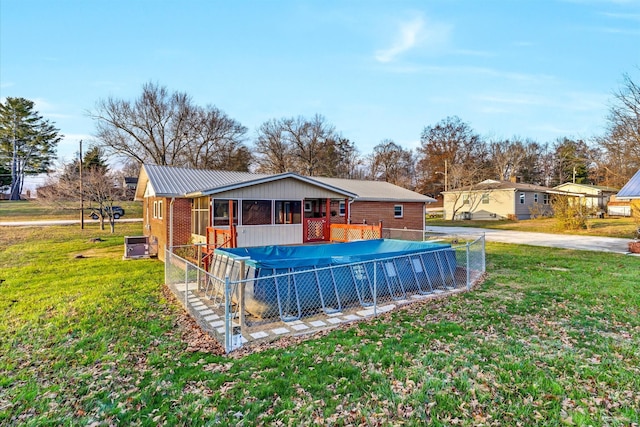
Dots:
{"x": 586, "y": 243}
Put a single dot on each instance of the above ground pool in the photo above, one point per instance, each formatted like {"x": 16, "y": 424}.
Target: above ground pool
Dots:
{"x": 296, "y": 281}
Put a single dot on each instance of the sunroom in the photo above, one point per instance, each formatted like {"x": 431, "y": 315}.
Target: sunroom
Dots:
{"x": 275, "y": 210}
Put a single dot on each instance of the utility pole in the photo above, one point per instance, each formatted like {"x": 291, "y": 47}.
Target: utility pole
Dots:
{"x": 81, "y": 192}
{"x": 445, "y": 175}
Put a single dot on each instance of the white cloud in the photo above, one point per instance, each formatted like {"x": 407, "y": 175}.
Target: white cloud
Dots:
{"x": 412, "y": 34}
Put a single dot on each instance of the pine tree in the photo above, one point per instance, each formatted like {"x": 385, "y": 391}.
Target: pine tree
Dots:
{"x": 27, "y": 141}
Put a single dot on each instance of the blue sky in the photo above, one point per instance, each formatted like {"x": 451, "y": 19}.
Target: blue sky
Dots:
{"x": 375, "y": 69}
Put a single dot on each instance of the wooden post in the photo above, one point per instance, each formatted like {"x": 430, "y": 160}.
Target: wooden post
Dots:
{"x": 327, "y": 229}
{"x": 232, "y": 228}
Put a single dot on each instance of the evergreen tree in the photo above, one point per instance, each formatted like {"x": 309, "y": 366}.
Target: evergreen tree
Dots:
{"x": 27, "y": 141}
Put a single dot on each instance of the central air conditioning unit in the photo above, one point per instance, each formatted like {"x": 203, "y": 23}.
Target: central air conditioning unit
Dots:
{"x": 139, "y": 247}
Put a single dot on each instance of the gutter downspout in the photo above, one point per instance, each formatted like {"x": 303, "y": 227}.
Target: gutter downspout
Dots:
{"x": 349, "y": 215}
{"x": 173, "y": 199}
{"x": 424, "y": 218}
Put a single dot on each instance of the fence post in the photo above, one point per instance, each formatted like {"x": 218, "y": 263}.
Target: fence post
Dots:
{"x": 199, "y": 266}
{"x": 228, "y": 339}
{"x": 375, "y": 289}
{"x": 241, "y": 297}
{"x": 484, "y": 253}
{"x": 167, "y": 266}
{"x": 468, "y": 267}
{"x": 186, "y": 284}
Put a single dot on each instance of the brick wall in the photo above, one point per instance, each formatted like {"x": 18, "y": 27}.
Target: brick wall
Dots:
{"x": 181, "y": 222}
{"x": 158, "y": 228}
{"x": 374, "y": 212}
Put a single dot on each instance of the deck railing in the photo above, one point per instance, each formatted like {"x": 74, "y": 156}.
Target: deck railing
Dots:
{"x": 351, "y": 232}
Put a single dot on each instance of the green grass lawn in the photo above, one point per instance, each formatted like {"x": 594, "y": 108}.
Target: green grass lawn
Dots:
{"x": 30, "y": 210}
{"x": 552, "y": 337}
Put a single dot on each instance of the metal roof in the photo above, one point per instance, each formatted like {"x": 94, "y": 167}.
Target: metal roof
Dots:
{"x": 170, "y": 181}
{"x": 631, "y": 189}
{"x": 270, "y": 178}
{"x": 376, "y": 190}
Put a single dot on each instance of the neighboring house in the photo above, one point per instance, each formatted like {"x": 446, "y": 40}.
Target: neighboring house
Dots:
{"x": 591, "y": 196}
{"x": 618, "y": 207}
{"x": 631, "y": 189}
{"x": 180, "y": 203}
{"x": 129, "y": 185}
{"x": 493, "y": 200}
{"x": 130, "y": 182}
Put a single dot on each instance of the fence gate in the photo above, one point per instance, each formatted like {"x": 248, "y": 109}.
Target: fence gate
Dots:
{"x": 315, "y": 230}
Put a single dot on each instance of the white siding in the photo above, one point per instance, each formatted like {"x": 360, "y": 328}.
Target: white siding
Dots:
{"x": 262, "y": 235}
{"x": 285, "y": 189}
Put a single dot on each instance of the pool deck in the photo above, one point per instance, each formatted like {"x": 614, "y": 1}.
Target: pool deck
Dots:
{"x": 210, "y": 316}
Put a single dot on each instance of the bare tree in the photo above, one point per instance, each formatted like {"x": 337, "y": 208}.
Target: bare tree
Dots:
{"x": 306, "y": 146}
{"x": 507, "y": 157}
{"x": 621, "y": 143}
{"x": 454, "y": 142}
{"x": 99, "y": 188}
{"x": 342, "y": 159}
{"x": 168, "y": 129}
{"x": 309, "y": 140}
{"x": 274, "y": 151}
{"x": 392, "y": 163}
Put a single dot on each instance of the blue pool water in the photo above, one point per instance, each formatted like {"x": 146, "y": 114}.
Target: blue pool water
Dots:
{"x": 329, "y": 254}
{"x": 297, "y": 281}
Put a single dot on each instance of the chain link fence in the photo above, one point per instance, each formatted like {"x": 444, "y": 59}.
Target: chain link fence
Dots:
{"x": 237, "y": 301}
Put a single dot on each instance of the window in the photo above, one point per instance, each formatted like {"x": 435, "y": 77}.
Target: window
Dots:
{"x": 465, "y": 199}
{"x": 522, "y": 198}
{"x": 485, "y": 199}
{"x": 307, "y": 206}
{"x": 157, "y": 209}
{"x": 288, "y": 212}
{"x": 221, "y": 212}
{"x": 398, "y": 211}
{"x": 545, "y": 199}
{"x": 256, "y": 212}
{"x": 200, "y": 216}
{"x": 341, "y": 208}
{"x": 535, "y": 197}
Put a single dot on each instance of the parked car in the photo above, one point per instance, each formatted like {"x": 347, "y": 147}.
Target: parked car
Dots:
{"x": 115, "y": 211}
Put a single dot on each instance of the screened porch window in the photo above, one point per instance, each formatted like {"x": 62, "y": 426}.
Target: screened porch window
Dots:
{"x": 256, "y": 212}
{"x": 288, "y": 212}
{"x": 200, "y": 216}
{"x": 221, "y": 212}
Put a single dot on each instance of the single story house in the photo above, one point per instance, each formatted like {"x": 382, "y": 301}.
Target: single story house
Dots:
{"x": 592, "y": 196}
{"x": 493, "y": 200}
{"x": 179, "y": 204}
{"x": 618, "y": 207}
